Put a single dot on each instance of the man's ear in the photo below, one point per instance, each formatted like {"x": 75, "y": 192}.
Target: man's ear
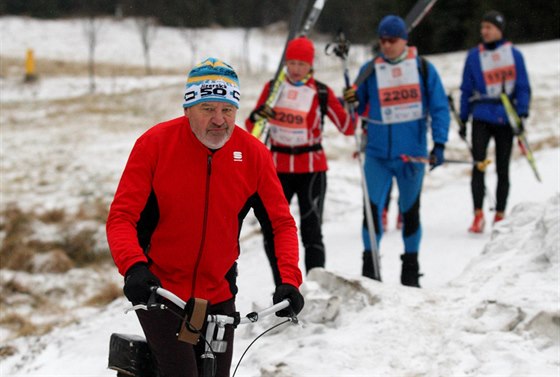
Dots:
{"x": 186, "y": 111}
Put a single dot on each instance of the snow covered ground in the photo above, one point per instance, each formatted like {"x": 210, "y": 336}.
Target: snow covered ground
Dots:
{"x": 490, "y": 303}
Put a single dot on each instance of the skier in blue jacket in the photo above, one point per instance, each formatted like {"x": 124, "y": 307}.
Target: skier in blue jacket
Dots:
{"x": 492, "y": 67}
{"x": 405, "y": 97}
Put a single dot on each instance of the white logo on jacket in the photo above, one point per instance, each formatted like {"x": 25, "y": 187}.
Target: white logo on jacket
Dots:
{"x": 237, "y": 156}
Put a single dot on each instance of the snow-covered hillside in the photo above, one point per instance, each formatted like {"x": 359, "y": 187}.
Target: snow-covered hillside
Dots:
{"x": 490, "y": 303}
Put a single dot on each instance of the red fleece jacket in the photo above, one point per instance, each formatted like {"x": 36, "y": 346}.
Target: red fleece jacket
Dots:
{"x": 200, "y": 197}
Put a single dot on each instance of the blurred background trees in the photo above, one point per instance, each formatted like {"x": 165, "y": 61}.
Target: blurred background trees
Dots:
{"x": 452, "y": 24}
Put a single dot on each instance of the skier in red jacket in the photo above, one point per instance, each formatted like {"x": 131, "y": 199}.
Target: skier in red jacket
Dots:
{"x": 178, "y": 210}
{"x": 296, "y": 133}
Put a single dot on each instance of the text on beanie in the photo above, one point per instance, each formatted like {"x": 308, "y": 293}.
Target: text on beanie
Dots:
{"x": 212, "y": 80}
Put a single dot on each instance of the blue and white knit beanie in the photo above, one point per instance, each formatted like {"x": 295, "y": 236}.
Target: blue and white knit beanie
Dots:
{"x": 212, "y": 80}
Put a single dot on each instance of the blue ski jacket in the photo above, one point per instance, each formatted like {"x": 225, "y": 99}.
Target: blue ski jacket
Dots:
{"x": 390, "y": 141}
{"x": 473, "y": 89}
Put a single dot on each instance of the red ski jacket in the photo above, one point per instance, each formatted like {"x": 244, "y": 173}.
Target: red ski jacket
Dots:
{"x": 180, "y": 206}
{"x": 311, "y": 157}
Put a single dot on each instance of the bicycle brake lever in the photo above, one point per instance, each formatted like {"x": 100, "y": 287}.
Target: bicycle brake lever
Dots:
{"x": 145, "y": 307}
{"x": 151, "y": 304}
{"x": 135, "y": 307}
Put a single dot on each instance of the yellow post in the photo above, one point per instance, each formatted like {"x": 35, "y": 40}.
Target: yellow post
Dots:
{"x": 30, "y": 74}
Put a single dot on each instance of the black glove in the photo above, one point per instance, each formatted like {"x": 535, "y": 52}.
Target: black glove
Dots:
{"x": 137, "y": 283}
{"x": 436, "y": 156}
{"x": 288, "y": 291}
{"x": 262, "y": 112}
{"x": 521, "y": 127}
{"x": 463, "y": 130}
{"x": 349, "y": 95}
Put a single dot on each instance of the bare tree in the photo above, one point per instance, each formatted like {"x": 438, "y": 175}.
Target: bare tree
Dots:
{"x": 191, "y": 37}
{"x": 92, "y": 26}
{"x": 246, "y": 49}
{"x": 147, "y": 29}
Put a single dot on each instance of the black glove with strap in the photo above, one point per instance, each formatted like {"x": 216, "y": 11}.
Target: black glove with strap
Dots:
{"x": 262, "y": 112}
{"x": 288, "y": 291}
{"x": 138, "y": 281}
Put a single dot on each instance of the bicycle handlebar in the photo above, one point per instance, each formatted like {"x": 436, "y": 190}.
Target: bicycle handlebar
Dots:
{"x": 214, "y": 339}
{"x": 225, "y": 319}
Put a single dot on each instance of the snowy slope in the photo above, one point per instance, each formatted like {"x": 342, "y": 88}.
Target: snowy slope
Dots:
{"x": 490, "y": 302}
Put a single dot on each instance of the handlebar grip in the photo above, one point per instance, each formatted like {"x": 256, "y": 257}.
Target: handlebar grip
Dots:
{"x": 171, "y": 297}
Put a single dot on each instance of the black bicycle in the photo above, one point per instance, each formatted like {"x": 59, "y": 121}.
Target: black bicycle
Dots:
{"x": 130, "y": 355}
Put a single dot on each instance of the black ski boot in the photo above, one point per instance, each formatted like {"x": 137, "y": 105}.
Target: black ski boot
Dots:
{"x": 367, "y": 265}
{"x": 410, "y": 267}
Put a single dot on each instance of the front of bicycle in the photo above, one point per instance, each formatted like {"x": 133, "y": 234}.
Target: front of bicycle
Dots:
{"x": 129, "y": 355}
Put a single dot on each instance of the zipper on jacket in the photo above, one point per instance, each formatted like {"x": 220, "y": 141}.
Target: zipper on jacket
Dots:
{"x": 204, "y": 222}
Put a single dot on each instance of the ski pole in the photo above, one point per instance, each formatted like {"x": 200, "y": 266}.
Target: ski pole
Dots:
{"x": 480, "y": 165}
{"x": 458, "y": 120}
{"x": 340, "y": 48}
{"x": 460, "y": 123}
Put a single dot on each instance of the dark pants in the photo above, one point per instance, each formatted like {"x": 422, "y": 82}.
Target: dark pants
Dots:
{"x": 178, "y": 359}
{"x": 503, "y": 138}
{"x": 310, "y": 189}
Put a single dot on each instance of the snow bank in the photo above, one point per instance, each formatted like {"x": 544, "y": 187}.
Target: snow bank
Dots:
{"x": 490, "y": 320}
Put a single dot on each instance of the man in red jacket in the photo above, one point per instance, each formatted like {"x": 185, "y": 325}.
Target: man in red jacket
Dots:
{"x": 177, "y": 214}
{"x": 296, "y": 132}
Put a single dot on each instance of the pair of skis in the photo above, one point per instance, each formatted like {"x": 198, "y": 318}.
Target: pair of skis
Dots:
{"x": 261, "y": 127}
{"x": 522, "y": 141}
{"x": 515, "y": 123}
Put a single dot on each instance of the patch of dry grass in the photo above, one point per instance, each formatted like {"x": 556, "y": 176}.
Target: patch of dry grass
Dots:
{"x": 16, "y": 322}
{"x": 53, "y": 216}
{"x": 22, "y": 250}
{"x": 12, "y": 287}
{"x": 80, "y": 247}
{"x": 22, "y": 326}
{"x": 14, "y": 293}
{"x": 106, "y": 295}
{"x": 7, "y": 351}
{"x": 14, "y": 251}
{"x": 97, "y": 210}
{"x": 546, "y": 143}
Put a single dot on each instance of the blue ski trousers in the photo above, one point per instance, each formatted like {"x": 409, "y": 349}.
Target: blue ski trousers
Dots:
{"x": 379, "y": 175}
